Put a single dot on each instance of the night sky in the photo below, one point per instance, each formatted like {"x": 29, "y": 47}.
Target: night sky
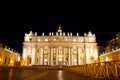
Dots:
{"x": 15, "y": 22}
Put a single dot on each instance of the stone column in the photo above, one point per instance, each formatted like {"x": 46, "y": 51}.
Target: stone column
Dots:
{"x": 49, "y": 60}
{"x": 57, "y": 51}
{"x": 69, "y": 56}
{"x": 32, "y": 56}
{"x": 64, "y": 55}
{"x": 51, "y": 54}
{"x": 41, "y": 56}
{"x": 81, "y": 57}
{"x": 78, "y": 52}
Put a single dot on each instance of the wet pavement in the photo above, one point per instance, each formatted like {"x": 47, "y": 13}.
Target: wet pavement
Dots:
{"x": 12, "y": 74}
{"x": 62, "y": 75}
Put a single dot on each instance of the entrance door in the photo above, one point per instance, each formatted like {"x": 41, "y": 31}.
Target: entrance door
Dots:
{"x": 60, "y": 61}
{"x": 28, "y": 60}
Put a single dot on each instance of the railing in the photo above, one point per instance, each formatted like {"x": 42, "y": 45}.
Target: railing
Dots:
{"x": 97, "y": 70}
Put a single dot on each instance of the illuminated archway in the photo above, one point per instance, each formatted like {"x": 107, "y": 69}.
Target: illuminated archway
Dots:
{"x": 28, "y": 59}
{"x": 91, "y": 58}
{"x": 60, "y": 59}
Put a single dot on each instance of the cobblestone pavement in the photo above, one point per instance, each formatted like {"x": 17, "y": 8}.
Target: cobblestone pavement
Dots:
{"x": 61, "y": 75}
{"x": 39, "y": 75}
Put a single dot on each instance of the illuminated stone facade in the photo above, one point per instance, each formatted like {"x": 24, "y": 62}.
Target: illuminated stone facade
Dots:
{"x": 112, "y": 50}
{"x": 59, "y": 49}
{"x": 110, "y": 56}
{"x": 8, "y": 57}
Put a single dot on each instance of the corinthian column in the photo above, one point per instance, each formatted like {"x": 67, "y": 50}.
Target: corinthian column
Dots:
{"x": 64, "y": 55}
{"x": 51, "y": 53}
{"x": 69, "y": 56}
{"x": 56, "y": 56}
{"x": 78, "y": 52}
{"x": 41, "y": 55}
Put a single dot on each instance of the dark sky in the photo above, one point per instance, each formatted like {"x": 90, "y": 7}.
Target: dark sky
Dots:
{"x": 15, "y": 22}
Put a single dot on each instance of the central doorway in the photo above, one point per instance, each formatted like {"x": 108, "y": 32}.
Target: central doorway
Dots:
{"x": 60, "y": 61}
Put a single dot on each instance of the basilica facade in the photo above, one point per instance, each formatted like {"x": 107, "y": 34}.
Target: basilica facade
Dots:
{"x": 59, "y": 48}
